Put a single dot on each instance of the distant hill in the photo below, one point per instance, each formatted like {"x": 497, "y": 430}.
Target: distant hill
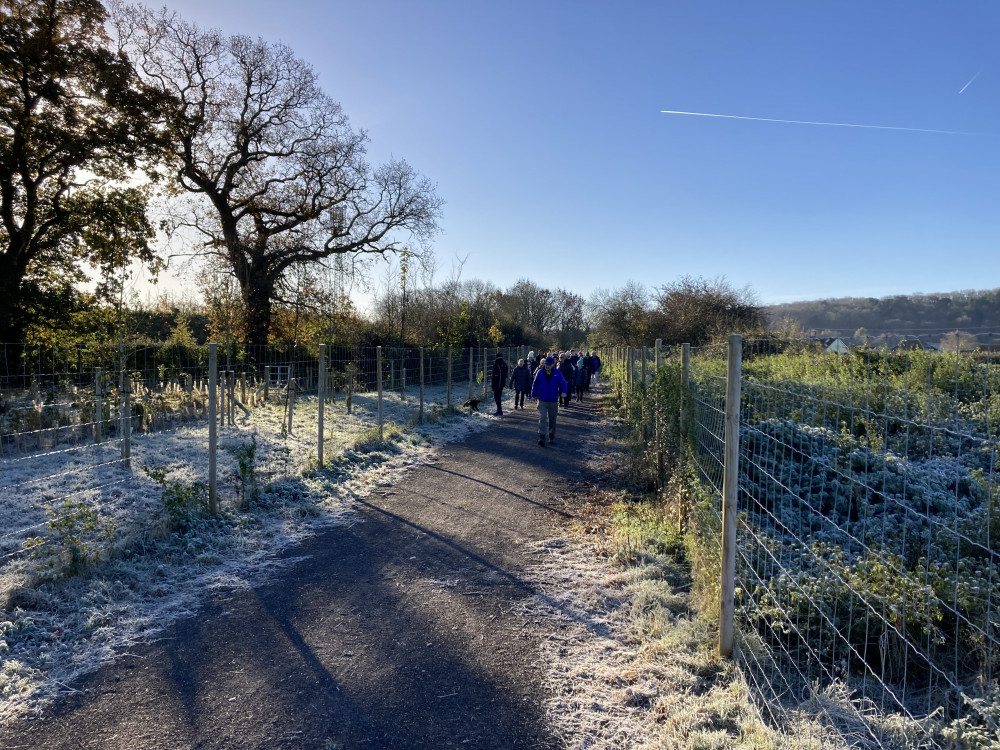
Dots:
{"x": 969, "y": 311}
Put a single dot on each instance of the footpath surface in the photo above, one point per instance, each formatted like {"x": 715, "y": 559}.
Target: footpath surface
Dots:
{"x": 399, "y": 631}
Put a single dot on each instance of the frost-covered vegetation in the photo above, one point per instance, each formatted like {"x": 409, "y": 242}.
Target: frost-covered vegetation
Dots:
{"x": 97, "y": 554}
{"x": 868, "y": 556}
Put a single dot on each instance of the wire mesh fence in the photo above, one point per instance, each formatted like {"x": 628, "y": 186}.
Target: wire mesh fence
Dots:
{"x": 89, "y": 436}
{"x": 867, "y": 531}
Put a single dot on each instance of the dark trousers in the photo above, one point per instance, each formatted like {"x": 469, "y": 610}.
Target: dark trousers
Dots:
{"x": 498, "y": 397}
{"x": 519, "y": 398}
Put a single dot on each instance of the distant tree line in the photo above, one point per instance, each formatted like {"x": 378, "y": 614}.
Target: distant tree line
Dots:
{"x": 938, "y": 313}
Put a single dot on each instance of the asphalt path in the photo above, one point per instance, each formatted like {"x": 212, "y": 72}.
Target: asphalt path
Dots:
{"x": 400, "y": 631}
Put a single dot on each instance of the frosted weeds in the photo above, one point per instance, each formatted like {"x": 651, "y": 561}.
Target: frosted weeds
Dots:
{"x": 629, "y": 665}
{"x": 53, "y": 632}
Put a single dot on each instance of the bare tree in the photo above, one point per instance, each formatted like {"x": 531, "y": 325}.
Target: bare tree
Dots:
{"x": 530, "y": 305}
{"x": 621, "y": 315}
{"x": 570, "y": 320}
{"x": 697, "y": 311}
{"x": 281, "y": 171}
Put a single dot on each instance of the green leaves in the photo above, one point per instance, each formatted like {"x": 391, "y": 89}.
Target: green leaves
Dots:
{"x": 75, "y": 122}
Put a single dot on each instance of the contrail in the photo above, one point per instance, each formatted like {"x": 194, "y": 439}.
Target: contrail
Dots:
{"x": 971, "y": 80}
{"x": 809, "y": 122}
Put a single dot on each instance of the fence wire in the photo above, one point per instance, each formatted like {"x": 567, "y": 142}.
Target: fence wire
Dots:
{"x": 78, "y": 425}
{"x": 868, "y": 534}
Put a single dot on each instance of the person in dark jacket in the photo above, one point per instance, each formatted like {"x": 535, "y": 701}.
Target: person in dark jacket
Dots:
{"x": 588, "y": 365}
{"x": 568, "y": 373}
{"x": 580, "y": 381}
{"x": 597, "y": 365}
{"x": 520, "y": 381}
{"x": 548, "y": 388}
{"x": 498, "y": 381}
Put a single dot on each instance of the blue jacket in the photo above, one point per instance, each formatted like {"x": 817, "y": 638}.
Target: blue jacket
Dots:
{"x": 581, "y": 376}
{"x": 547, "y": 388}
{"x": 520, "y": 378}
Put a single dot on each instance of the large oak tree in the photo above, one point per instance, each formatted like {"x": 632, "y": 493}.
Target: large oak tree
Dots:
{"x": 281, "y": 173}
{"x": 73, "y": 120}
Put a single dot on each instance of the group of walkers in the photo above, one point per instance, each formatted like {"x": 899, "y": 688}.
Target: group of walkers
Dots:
{"x": 550, "y": 379}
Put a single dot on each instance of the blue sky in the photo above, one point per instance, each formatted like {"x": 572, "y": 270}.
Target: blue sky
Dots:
{"x": 541, "y": 124}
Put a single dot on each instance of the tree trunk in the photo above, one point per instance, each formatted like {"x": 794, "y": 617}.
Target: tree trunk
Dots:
{"x": 258, "y": 291}
{"x": 11, "y": 302}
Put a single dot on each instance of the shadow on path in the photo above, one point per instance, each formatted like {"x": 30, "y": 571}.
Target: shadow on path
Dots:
{"x": 397, "y": 632}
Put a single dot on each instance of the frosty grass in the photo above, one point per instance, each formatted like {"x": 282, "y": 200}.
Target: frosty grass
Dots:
{"x": 139, "y": 574}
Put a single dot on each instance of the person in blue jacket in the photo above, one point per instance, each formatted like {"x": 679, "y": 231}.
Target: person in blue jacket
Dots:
{"x": 548, "y": 386}
{"x": 520, "y": 381}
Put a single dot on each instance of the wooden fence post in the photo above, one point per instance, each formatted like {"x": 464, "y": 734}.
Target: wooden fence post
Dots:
{"x": 485, "y": 375}
{"x": 682, "y": 427}
{"x": 421, "y": 418}
{"x": 125, "y": 414}
{"x": 231, "y": 383}
{"x": 321, "y": 392}
{"x": 447, "y": 388}
{"x": 472, "y": 366}
{"x": 657, "y": 432}
{"x": 221, "y": 384}
{"x": 213, "y": 366}
{"x": 350, "y": 385}
{"x": 98, "y": 403}
{"x": 378, "y": 366}
{"x": 727, "y": 608}
{"x": 685, "y": 379}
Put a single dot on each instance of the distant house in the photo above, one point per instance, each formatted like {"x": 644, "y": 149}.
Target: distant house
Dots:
{"x": 837, "y": 346}
{"x": 909, "y": 344}
{"x": 882, "y": 341}
{"x": 833, "y": 345}
{"x": 897, "y": 343}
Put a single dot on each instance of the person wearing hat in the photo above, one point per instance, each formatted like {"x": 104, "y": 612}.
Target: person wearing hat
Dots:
{"x": 547, "y": 387}
{"x": 498, "y": 381}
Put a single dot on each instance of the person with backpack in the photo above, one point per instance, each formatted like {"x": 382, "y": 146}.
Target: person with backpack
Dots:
{"x": 548, "y": 387}
{"x": 520, "y": 381}
{"x": 580, "y": 377}
{"x": 588, "y": 366}
{"x": 498, "y": 381}
{"x": 568, "y": 373}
